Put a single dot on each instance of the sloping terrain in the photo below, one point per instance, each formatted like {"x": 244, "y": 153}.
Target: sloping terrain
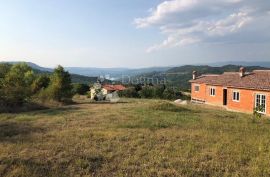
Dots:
{"x": 133, "y": 138}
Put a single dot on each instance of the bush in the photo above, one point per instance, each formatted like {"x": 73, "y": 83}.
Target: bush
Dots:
{"x": 60, "y": 88}
{"x": 16, "y": 85}
{"x": 159, "y": 91}
{"x": 129, "y": 93}
{"x": 41, "y": 82}
{"x": 4, "y": 69}
{"x": 80, "y": 89}
{"x": 20, "y": 86}
{"x": 147, "y": 92}
{"x": 169, "y": 94}
{"x": 257, "y": 113}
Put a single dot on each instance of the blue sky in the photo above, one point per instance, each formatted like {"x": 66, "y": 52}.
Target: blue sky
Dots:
{"x": 134, "y": 33}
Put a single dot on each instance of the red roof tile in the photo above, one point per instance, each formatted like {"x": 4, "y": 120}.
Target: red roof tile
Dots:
{"x": 114, "y": 87}
{"x": 259, "y": 80}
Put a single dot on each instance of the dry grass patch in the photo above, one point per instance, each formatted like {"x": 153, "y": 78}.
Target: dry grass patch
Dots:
{"x": 134, "y": 138}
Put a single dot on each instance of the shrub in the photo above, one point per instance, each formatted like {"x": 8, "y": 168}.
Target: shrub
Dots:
{"x": 41, "y": 82}
{"x": 147, "y": 92}
{"x": 60, "y": 86}
{"x": 16, "y": 85}
{"x": 257, "y": 113}
{"x": 129, "y": 93}
{"x": 80, "y": 89}
{"x": 4, "y": 69}
{"x": 159, "y": 90}
{"x": 19, "y": 86}
{"x": 169, "y": 94}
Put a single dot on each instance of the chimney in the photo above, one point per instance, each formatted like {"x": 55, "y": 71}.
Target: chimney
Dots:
{"x": 242, "y": 71}
{"x": 194, "y": 75}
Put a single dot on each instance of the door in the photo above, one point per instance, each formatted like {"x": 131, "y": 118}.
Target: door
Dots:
{"x": 225, "y": 95}
{"x": 260, "y": 102}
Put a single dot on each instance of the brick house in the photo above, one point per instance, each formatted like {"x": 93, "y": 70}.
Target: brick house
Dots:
{"x": 237, "y": 91}
{"x": 105, "y": 89}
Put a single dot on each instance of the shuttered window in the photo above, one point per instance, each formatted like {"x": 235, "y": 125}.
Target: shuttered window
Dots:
{"x": 197, "y": 88}
{"x": 212, "y": 91}
{"x": 236, "y": 96}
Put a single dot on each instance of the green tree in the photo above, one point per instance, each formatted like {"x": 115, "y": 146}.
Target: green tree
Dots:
{"x": 159, "y": 89}
{"x": 60, "y": 88}
{"x": 16, "y": 85}
{"x": 147, "y": 92}
{"x": 4, "y": 69}
{"x": 80, "y": 89}
{"x": 169, "y": 93}
{"x": 130, "y": 92}
{"x": 40, "y": 83}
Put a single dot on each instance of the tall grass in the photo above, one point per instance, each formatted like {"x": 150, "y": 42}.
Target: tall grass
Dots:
{"x": 137, "y": 138}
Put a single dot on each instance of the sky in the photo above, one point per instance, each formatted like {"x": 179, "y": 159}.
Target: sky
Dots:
{"x": 134, "y": 33}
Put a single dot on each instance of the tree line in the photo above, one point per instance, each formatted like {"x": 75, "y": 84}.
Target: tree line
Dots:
{"x": 19, "y": 84}
{"x": 153, "y": 91}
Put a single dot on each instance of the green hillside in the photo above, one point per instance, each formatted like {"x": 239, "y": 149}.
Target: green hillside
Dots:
{"x": 179, "y": 76}
{"x": 133, "y": 138}
{"x": 75, "y": 78}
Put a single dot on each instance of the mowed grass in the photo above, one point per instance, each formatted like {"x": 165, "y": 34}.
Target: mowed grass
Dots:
{"x": 134, "y": 138}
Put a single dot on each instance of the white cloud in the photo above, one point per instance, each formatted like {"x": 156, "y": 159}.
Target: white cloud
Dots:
{"x": 186, "y": 22}
{"x": 232, "y": 23}
{"x": 164, "y": 9}
{"x": 173, "y": 41}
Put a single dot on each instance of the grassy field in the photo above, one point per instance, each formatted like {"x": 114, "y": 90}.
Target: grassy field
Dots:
{"x": 133, "y": 138}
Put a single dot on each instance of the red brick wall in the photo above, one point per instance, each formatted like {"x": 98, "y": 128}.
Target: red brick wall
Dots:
{"x": 246, "y": 103}
{"x": 268, "y": 104}
{"x": 204, "y": 94}
{"x": 217, "y": 99}
{"x": 247, "y": 100}
{"x": 200, "y": 95}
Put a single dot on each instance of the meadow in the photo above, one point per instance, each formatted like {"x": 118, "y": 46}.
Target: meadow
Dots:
{"x": 135, "y": 137}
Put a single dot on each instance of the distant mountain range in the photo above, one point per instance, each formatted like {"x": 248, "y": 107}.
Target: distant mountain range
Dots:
{"x": 32, "y": 65}
{"x": 96, "y": 72}
{"x": 175, "y": 76}
{"x": 114, "y": 73}
{"x": 119, "y": 72}
{"x": 76, "y": 78}
{"x": 179, "y": 76}
{"x": 242, "y": 63}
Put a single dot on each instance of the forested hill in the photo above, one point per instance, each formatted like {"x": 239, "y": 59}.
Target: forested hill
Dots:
{"x": 179, "y": 76}
{"x": 204, "y": 69}
{"x": 76, "y": 78}
{"x": 175, "y": 76}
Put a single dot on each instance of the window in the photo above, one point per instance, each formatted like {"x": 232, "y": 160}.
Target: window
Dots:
{"x": 236, "y": 96}
{"x": 197, "y": 88}
{"x": 260, "y": 102}
{"x": 212, "y": 91}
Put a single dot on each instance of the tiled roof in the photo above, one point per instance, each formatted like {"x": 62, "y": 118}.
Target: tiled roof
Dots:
{"x": 258, "y": 79}
{"x": 114, "y": 87}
